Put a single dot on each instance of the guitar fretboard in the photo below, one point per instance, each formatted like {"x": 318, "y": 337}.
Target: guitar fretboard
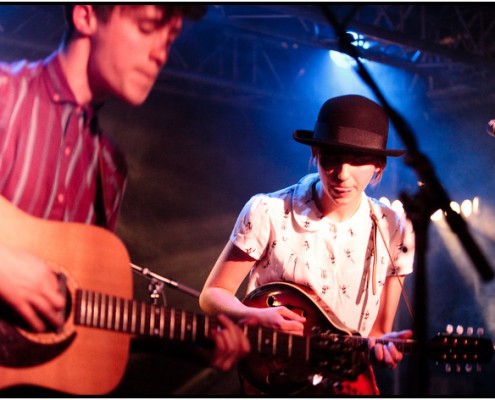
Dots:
{"x": 103, "y": 311}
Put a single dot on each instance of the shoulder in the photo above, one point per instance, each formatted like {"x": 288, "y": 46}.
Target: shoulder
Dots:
{"x": 267, "y": 201}
{"x": 393, "y": 215}
{"x": 19, "y": 69}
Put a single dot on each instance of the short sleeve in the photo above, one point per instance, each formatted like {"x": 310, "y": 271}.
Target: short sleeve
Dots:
{"x": 251, "y": 232}
{"x": 404, "y": 247}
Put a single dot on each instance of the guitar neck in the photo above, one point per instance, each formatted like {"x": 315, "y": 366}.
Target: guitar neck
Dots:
{"x": 107, "y": 312}
{"x": 359, "y": 343}
{"x": 103, "y": 311}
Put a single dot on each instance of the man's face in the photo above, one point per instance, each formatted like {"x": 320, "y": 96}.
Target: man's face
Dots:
{"x": 128, "y": 52}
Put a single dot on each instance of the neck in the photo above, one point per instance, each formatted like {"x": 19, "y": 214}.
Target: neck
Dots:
{"x": 74, "y": 59}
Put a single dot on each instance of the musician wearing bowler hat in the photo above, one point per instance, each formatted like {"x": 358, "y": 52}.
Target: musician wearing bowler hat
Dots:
{"x": 324, "y": 233}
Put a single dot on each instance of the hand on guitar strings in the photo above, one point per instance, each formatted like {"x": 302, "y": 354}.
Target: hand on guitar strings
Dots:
{"x": 230, "y": 345}
{"x": 31, "y": 288}
{"x": 383, "y": 352}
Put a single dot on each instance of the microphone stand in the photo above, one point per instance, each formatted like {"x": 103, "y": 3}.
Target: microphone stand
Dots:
{"x": 419, "y": 207}
{"x": 157, "y": 282}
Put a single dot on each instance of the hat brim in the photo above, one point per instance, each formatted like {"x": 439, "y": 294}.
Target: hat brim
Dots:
{"x": 306, "y": 137}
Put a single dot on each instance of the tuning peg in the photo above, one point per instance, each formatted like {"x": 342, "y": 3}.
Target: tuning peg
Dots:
{"x": 470, "y": 331}
{"x": 458, "y": 368}
{"x": 449, "y": 329}
{"x": 480, "y": 331}
{"x": 459, "y": 329}
{"x": 448, "y": 367}
{"x": 468, "y": 367}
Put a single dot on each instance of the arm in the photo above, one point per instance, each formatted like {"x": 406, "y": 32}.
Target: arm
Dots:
{"x": 31, "y": 289}
{"x": 389, "y": 301}
{"x": 219, "y": 294}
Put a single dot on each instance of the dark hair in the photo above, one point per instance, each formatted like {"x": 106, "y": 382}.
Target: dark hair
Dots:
{"x": 193, "y": 11}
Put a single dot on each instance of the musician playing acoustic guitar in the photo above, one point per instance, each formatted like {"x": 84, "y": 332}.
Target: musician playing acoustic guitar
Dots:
{"x": 56, "y": 164}
{"x": 325, "y": 234}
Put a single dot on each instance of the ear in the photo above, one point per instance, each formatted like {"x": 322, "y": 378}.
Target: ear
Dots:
{"x": 84, "y": 19}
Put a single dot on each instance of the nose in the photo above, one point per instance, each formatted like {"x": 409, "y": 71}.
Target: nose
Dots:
{"x": 343, "y": 171}
{"x": 160, "y": 51}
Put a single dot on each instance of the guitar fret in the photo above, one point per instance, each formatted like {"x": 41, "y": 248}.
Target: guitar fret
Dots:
{"x": 155, "y": 311}
{"x": 206, "y": 327}
{"x": 182, "y": 326}
{"x": 172, "y": 323}
{"x": 194, "y": 327}
{"x": 125, "y": 317}
{"x": 94, "y": 310}
{"x": 142, "y": 317}
{"x": 152, "y": 320}
{"x": 134, "y": 317}
{"x": 117, "y": 315}
{"x": 103, "y": 304}
{"x": 110, "y": 312}
{"x": 89, "y": 308}
{"x": 162, "y": 322}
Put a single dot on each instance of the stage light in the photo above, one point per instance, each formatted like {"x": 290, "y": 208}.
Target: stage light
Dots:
{"x": 343, "y": 60}
{"x": 454, "y": 205}
{"x": 437, "y": 215}
{"x": 466, "y": 208}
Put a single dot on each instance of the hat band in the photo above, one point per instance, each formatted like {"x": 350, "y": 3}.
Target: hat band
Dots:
{"x": 348, "y": 136}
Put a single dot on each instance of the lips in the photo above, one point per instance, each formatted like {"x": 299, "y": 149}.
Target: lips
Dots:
{"x": 341, "y": 190}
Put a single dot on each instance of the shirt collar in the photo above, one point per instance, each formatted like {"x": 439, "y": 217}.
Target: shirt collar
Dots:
{"x": 59, "y": 89}
{"x": 305, "y": 211}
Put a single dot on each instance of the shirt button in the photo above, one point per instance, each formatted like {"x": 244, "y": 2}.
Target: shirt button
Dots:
{"x": 56, "y": 97}
{"x": 67, "y": 151}
{"x": 61, "y": 198}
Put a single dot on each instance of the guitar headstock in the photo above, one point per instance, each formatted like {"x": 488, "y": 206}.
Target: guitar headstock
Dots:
{"x": 460, "y": 351}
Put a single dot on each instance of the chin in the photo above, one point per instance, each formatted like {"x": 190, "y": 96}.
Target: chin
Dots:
{"x": 134, "y": 100}
{"x": 135, "y": 97}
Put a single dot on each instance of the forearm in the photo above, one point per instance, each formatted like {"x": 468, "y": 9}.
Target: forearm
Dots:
{"x": 215, "y": 300}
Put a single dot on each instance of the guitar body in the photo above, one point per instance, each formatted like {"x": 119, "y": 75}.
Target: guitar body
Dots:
{"x": 78, "y": 360}
{"x": 275, "y": 375}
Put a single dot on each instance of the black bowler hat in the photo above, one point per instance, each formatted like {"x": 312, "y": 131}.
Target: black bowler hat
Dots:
{"x": 350, "y": 123}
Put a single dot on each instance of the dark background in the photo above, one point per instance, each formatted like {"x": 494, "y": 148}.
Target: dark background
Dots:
{"x": 217, "y": 129}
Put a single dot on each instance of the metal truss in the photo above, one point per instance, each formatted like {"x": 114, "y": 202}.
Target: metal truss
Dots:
{"x": 258, "y": 54}
{"x": 260, "y": 51}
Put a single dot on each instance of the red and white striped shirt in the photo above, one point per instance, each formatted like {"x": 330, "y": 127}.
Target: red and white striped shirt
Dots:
{"x": 52, "y": 150}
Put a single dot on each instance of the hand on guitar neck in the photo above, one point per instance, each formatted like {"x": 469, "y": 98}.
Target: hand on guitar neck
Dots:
{"x": 383, "y": 351}
{"x": 31, "y": 289}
